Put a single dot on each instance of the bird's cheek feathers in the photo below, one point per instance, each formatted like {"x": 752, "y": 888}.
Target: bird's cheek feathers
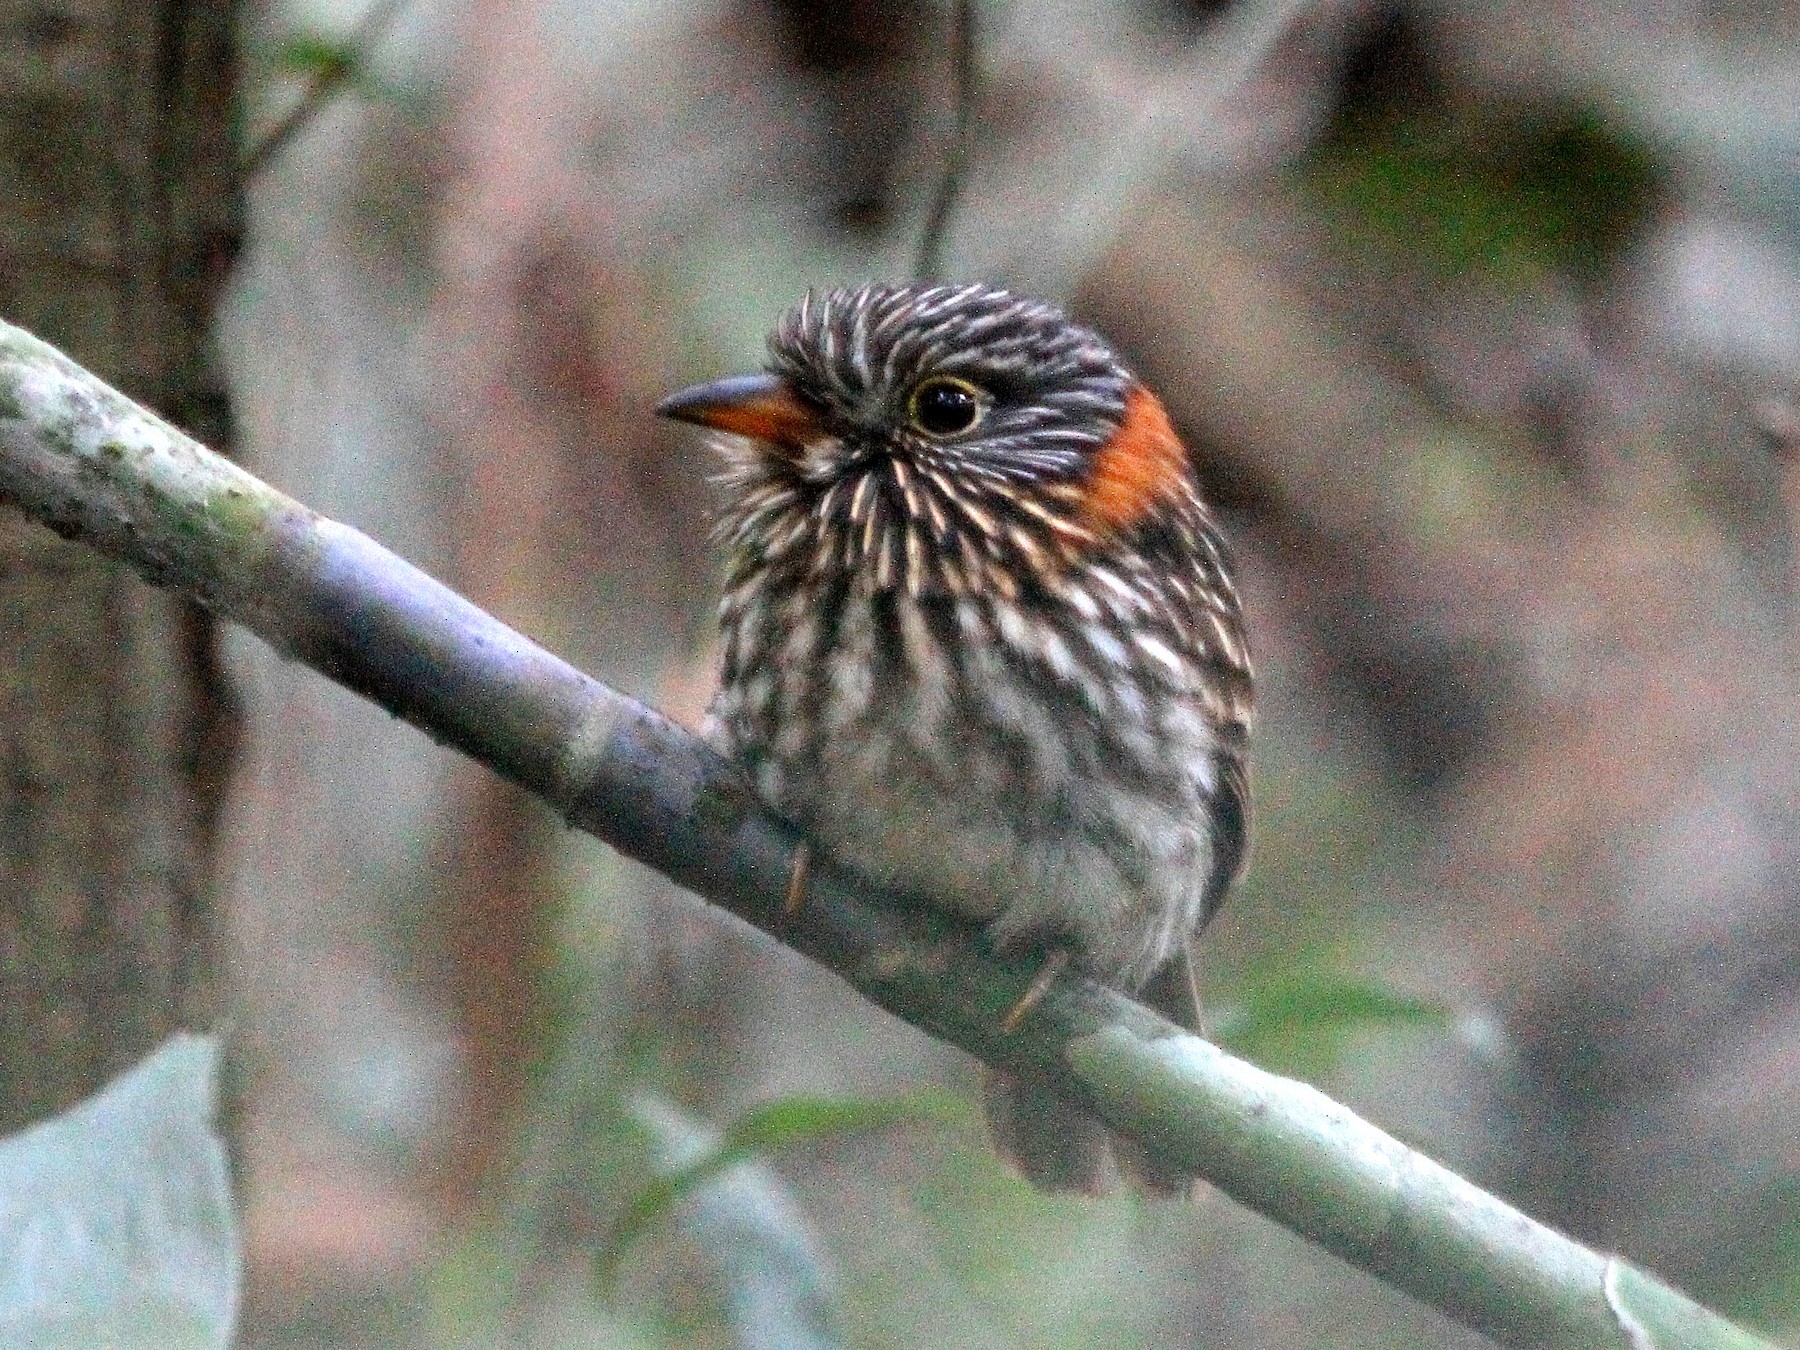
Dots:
{"x": 1142, "y": 466}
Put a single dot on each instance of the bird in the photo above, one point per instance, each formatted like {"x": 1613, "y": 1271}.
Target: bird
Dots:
{"x": 981, "y": 643}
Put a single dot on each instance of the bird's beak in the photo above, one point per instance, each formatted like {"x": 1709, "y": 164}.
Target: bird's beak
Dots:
{"x": 760, "y": 406}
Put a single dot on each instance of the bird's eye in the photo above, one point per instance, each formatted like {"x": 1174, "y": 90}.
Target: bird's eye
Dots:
{"x": 943, "y": 406}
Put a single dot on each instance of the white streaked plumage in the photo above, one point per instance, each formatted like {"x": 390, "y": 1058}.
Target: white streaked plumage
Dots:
{"x": 986, "y": 697}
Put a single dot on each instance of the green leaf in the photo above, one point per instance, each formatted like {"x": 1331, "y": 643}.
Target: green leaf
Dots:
{"x": 330, "y": 60}
{"x": 1299, "y": 1024}
{"x": 116, "y": 1222}
{"x": 795, "y": 1120}
{"x": 778, "y": 1124}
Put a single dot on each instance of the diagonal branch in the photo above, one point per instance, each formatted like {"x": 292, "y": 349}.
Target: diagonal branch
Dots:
{"x": 92, "y": 465}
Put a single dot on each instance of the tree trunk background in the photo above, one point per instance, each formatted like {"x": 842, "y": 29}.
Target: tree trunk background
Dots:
{"x": 119, "y": 215}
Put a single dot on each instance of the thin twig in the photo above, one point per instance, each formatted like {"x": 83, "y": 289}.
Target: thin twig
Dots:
{"x": 956, "y": 154}
{"x": 324, "y": 86}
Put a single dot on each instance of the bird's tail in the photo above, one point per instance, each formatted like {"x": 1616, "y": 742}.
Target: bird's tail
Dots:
{"x": 1054, "y": 1144}
{"x": 1058, "y": 1146}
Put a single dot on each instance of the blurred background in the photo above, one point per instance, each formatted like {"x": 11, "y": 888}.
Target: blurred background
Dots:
{"x": 1485, "y": 322}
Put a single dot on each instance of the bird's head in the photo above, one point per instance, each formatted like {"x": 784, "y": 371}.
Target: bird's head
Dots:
{"x": 938, "y": 437}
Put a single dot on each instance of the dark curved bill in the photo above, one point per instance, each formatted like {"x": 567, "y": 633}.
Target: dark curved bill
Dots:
{"x": 762, "y": 406}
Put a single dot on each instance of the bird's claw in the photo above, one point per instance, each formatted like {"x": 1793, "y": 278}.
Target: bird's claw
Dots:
{"x": 1054, "y": 965}
{"x": 795, "y": 899}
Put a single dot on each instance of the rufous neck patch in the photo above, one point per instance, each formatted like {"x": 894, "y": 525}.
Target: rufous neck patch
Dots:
{"x": 1142, "y": 464}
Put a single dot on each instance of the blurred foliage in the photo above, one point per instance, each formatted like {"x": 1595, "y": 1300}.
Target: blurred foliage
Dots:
{"x": 327, "y": 58}
{"x": 973, "y": 1256}
{"x": 1300, "y": 1024}
{"x": 1014, "y": 1258}
{"x": 1762, "y": 1287}
{"x": 1503, "y": 197}
{"x": 117, "y": 1225}
{"x": 1019, "y": 1268}
{"x": 758, "y": 1133}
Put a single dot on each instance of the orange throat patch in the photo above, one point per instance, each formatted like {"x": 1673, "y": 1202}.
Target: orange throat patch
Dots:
{"x": 1144, "y": 463}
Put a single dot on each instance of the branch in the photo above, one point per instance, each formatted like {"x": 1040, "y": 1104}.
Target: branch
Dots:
{"x": 93, "y": 466}
{"x": 343, "y": 62}
{"x": 956, "y": 153}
